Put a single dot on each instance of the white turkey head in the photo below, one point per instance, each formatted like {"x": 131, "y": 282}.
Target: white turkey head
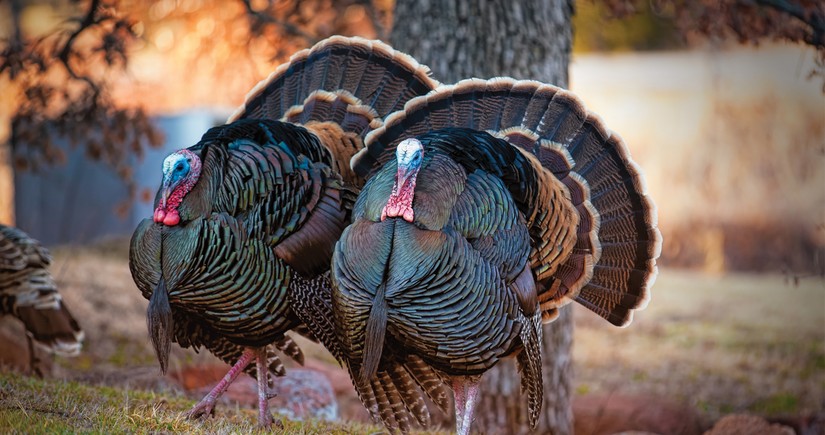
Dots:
{"x": 181, "y": 170}
{"x": 409, "y": 155}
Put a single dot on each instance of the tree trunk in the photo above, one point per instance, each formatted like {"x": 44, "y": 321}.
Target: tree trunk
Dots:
{"x": 524, "y": 39}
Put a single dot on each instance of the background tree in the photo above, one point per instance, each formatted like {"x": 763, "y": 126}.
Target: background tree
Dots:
{"x": 746, "y": 21}
{"x": 524, "y": 39}
{"x": 58, "y": 83}
{"x": 67, "y": 74}
{"x": 743, "y": 21}
{"x": 61, "y": 83}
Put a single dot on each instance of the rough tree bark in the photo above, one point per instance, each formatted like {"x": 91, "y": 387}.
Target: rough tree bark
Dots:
{"x": 524, "y": 39}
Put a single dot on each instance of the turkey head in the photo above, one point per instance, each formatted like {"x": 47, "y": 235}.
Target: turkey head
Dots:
{"x": 181, "y": 171}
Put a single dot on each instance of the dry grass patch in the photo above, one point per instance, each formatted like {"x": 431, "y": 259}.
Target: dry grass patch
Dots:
{"x": 733, "y": 343}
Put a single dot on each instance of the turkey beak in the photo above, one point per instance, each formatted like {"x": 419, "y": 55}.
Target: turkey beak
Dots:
{"x": 164, "y": 194}
{"x": 403, "y": 174}
{"x": 169, "y": 185}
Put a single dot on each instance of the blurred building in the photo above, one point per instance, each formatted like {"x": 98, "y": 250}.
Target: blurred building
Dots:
{"x": 83, "y": 200}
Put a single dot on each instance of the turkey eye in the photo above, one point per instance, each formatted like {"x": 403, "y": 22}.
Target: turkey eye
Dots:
{"x": 179, "y": 167}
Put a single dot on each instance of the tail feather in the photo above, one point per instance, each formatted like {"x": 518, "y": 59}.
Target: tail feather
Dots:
{"x": 630, "y": 239}
{"x": 28, "y": 292}
{"x": 429, "y": 380}
{"x": 616, "y": 241}
{"x": 537, "y": 109}
{"x": 311, "y": 300}
{"x": 53, "y": 328}
{"x": 339, "y": 107}
{"x": 516, "y": 103}
{"x": 464, "y": 116}
{"x": 360, "y": 77}
{"x": 529, "y": 364}
{"x": 412, "y": 401}
{"x": 340, "y": 89}
{"x": 564, "y": 116}
{"x": 495, "y": 91}
{"x": 372, "y": 72}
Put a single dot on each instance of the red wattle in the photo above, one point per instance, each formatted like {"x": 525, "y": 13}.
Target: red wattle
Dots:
{"x": 398, "y": 207}
{"x": 399, "y": 204}
{"x": 409, "y": 215}
{"x": 167, "y": 213}
{"x": 172, "y": 218}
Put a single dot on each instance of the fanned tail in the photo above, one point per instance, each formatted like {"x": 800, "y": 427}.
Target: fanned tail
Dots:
{"x": 628, "y": 233}
{"x": 52, "y": 326}
{"x": 340, "y": 89}
{"x": 584, "y": 179}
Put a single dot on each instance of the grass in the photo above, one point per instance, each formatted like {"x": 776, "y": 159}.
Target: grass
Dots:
{"x": 29, "y": 405}
{"x": 718, "y": 344}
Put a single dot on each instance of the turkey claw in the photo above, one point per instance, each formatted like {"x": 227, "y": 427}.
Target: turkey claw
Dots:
{"x": 269, "y": 422}
{"x": 202, "y": 410}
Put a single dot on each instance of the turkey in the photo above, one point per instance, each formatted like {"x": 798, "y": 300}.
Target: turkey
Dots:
{"x": 488, "y": 206}
{"x": 252, "y": 212}
{"x": 28, "y": 292}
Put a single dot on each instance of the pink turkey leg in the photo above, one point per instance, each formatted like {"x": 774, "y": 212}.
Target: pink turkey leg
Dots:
{"x": 264, "y": 417}
{"x": 205, "y": 406}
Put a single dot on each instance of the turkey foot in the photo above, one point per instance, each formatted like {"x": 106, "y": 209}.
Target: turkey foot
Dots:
{"x": 204, "y": 409}
{"x": 206, "y": 406}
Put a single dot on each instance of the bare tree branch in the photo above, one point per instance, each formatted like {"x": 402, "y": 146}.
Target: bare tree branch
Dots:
{"x": 61, "y": 102}
{"x": 749, "y": 21}
{"x": 290, "y": 28}
{"x": 63, "y": 81}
